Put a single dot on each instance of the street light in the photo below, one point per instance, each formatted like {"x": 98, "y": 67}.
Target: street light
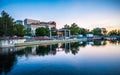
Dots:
{"x": 50, "y": 32}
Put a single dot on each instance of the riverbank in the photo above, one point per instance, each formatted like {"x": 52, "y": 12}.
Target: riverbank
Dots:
{"x": 23, "y": 42}
{"x": 10, "y": 42}
{"x": 49, "y": 42}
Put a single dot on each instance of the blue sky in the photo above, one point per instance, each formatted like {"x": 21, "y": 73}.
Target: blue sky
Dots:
{"x": 86, "y": 13}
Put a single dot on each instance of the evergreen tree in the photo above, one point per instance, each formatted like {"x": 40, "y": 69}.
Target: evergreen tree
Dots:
{"x": 6, "y": 24}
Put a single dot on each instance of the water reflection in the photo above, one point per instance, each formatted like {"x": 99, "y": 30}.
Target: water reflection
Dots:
{"x": 46, "y": 50}
{"x": 7, "y": 62}
{"x": 9, "y": 56}
{"x": 99, "y": 43}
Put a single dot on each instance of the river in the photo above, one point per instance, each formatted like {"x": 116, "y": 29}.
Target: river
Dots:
{"x": 80, "y": 58}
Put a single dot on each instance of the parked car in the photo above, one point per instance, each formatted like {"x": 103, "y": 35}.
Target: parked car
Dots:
{"x": 27, "y": 37}
{"x": 43, "y": 38}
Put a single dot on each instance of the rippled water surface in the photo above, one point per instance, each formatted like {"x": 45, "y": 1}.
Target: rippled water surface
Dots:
{"x": 80, "y": 58}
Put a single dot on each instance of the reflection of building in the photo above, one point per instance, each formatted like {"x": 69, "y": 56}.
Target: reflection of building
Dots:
{"x": 19, "y": 22}
{"x": 33, "y": 24}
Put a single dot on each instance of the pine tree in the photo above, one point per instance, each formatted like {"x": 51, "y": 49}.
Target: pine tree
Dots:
{"x": 6, "y": 25}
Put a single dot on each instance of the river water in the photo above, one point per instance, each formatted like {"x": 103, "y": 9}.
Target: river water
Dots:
{"x": 80, "y": 58}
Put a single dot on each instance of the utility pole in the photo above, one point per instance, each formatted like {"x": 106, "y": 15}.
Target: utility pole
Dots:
{"x": 58, "y": 33}
{"x": 50, "y": 32}
{"x": 69, "y": 34}
{"x": 65, "y": 33}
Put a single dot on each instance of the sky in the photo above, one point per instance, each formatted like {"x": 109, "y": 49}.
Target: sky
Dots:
{"x": 85, "y": 13}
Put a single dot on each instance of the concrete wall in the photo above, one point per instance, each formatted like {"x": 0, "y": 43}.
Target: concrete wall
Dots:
{"x": 11, "y": 42}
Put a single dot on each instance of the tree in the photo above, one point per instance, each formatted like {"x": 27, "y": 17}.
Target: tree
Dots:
{"x": 6, "y": 24}
{"x": 1, "y": 27}
{"x": 96, "y": 31}
{"x": 54, "y": 31}
{"x": 19, "y": 30}
{"x": 118, "y": 33}
{"x": 83, "y": 31}
{"x": 104, "y": 31}
{"x": 28, "y": 32}
{"x": 74, "y": 29}
{"x": 66, "y": 27}
{"x": 41, "y": 31}
{"x": 113, "y": 32}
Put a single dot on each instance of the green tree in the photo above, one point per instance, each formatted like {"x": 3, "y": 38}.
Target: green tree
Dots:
{"x": 54, "y": 31}
{"x": 6, "y": 24}
{"x": 28, "y": 32}
{"x": 19, "y": 30}
{"x": 104, "y": 31}
{"x": 41, "y": 31}
{"x": 118, "y": 33}
{"x": 96, "y": 31}
{"x": 113, "y": 32}
{"x": 1, "y": 27}
{"x": 74, "y": 29}
{"x": 66, "y": 27}
{"x": 83, "y": 31}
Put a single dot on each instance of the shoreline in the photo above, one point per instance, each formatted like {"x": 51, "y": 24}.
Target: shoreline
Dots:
{"x": 49, "y": 42}
{"x": 18, "y": 43}
{"x": 24, "y": 42}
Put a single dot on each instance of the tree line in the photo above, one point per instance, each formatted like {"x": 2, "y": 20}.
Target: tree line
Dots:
{"x": 8, "y": 27}
{"x": 75, "y": 30}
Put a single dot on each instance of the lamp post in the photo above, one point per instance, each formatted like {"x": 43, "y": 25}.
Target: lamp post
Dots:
{"x": 69, "y": 34}
{"x": 47, "y": 26}
{"x": 65, "y": 34}
{"x": 50, "y": 32}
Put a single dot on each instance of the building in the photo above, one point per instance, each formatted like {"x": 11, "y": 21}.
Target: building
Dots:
{"x": 33, "y": 24}
{"x": 19, "y": 22}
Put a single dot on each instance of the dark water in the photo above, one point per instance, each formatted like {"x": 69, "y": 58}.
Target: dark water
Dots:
{"x": 81, "y": 58}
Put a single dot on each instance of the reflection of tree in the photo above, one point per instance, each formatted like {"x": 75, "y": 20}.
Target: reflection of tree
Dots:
{"x": 24, "y": 51}
{"x": 46, "y": 50}
{"x": 74, "y": 48}
{"x": 53, "y": 49}
{"x": 104, "y": 43}
{"x": 28, "y": 50}
{"x": 113, "y": 41}
{"x": 7, "y": 62}
{"x": 65, "y": 47}
{"x": 42, "y": 50}
{"x": 21, "y": 52}
{"x": 119, "y": 42}
{"x": 83, "y": 44}
{"x": 70, "y": 47}
{"x": 99, "y": 43}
